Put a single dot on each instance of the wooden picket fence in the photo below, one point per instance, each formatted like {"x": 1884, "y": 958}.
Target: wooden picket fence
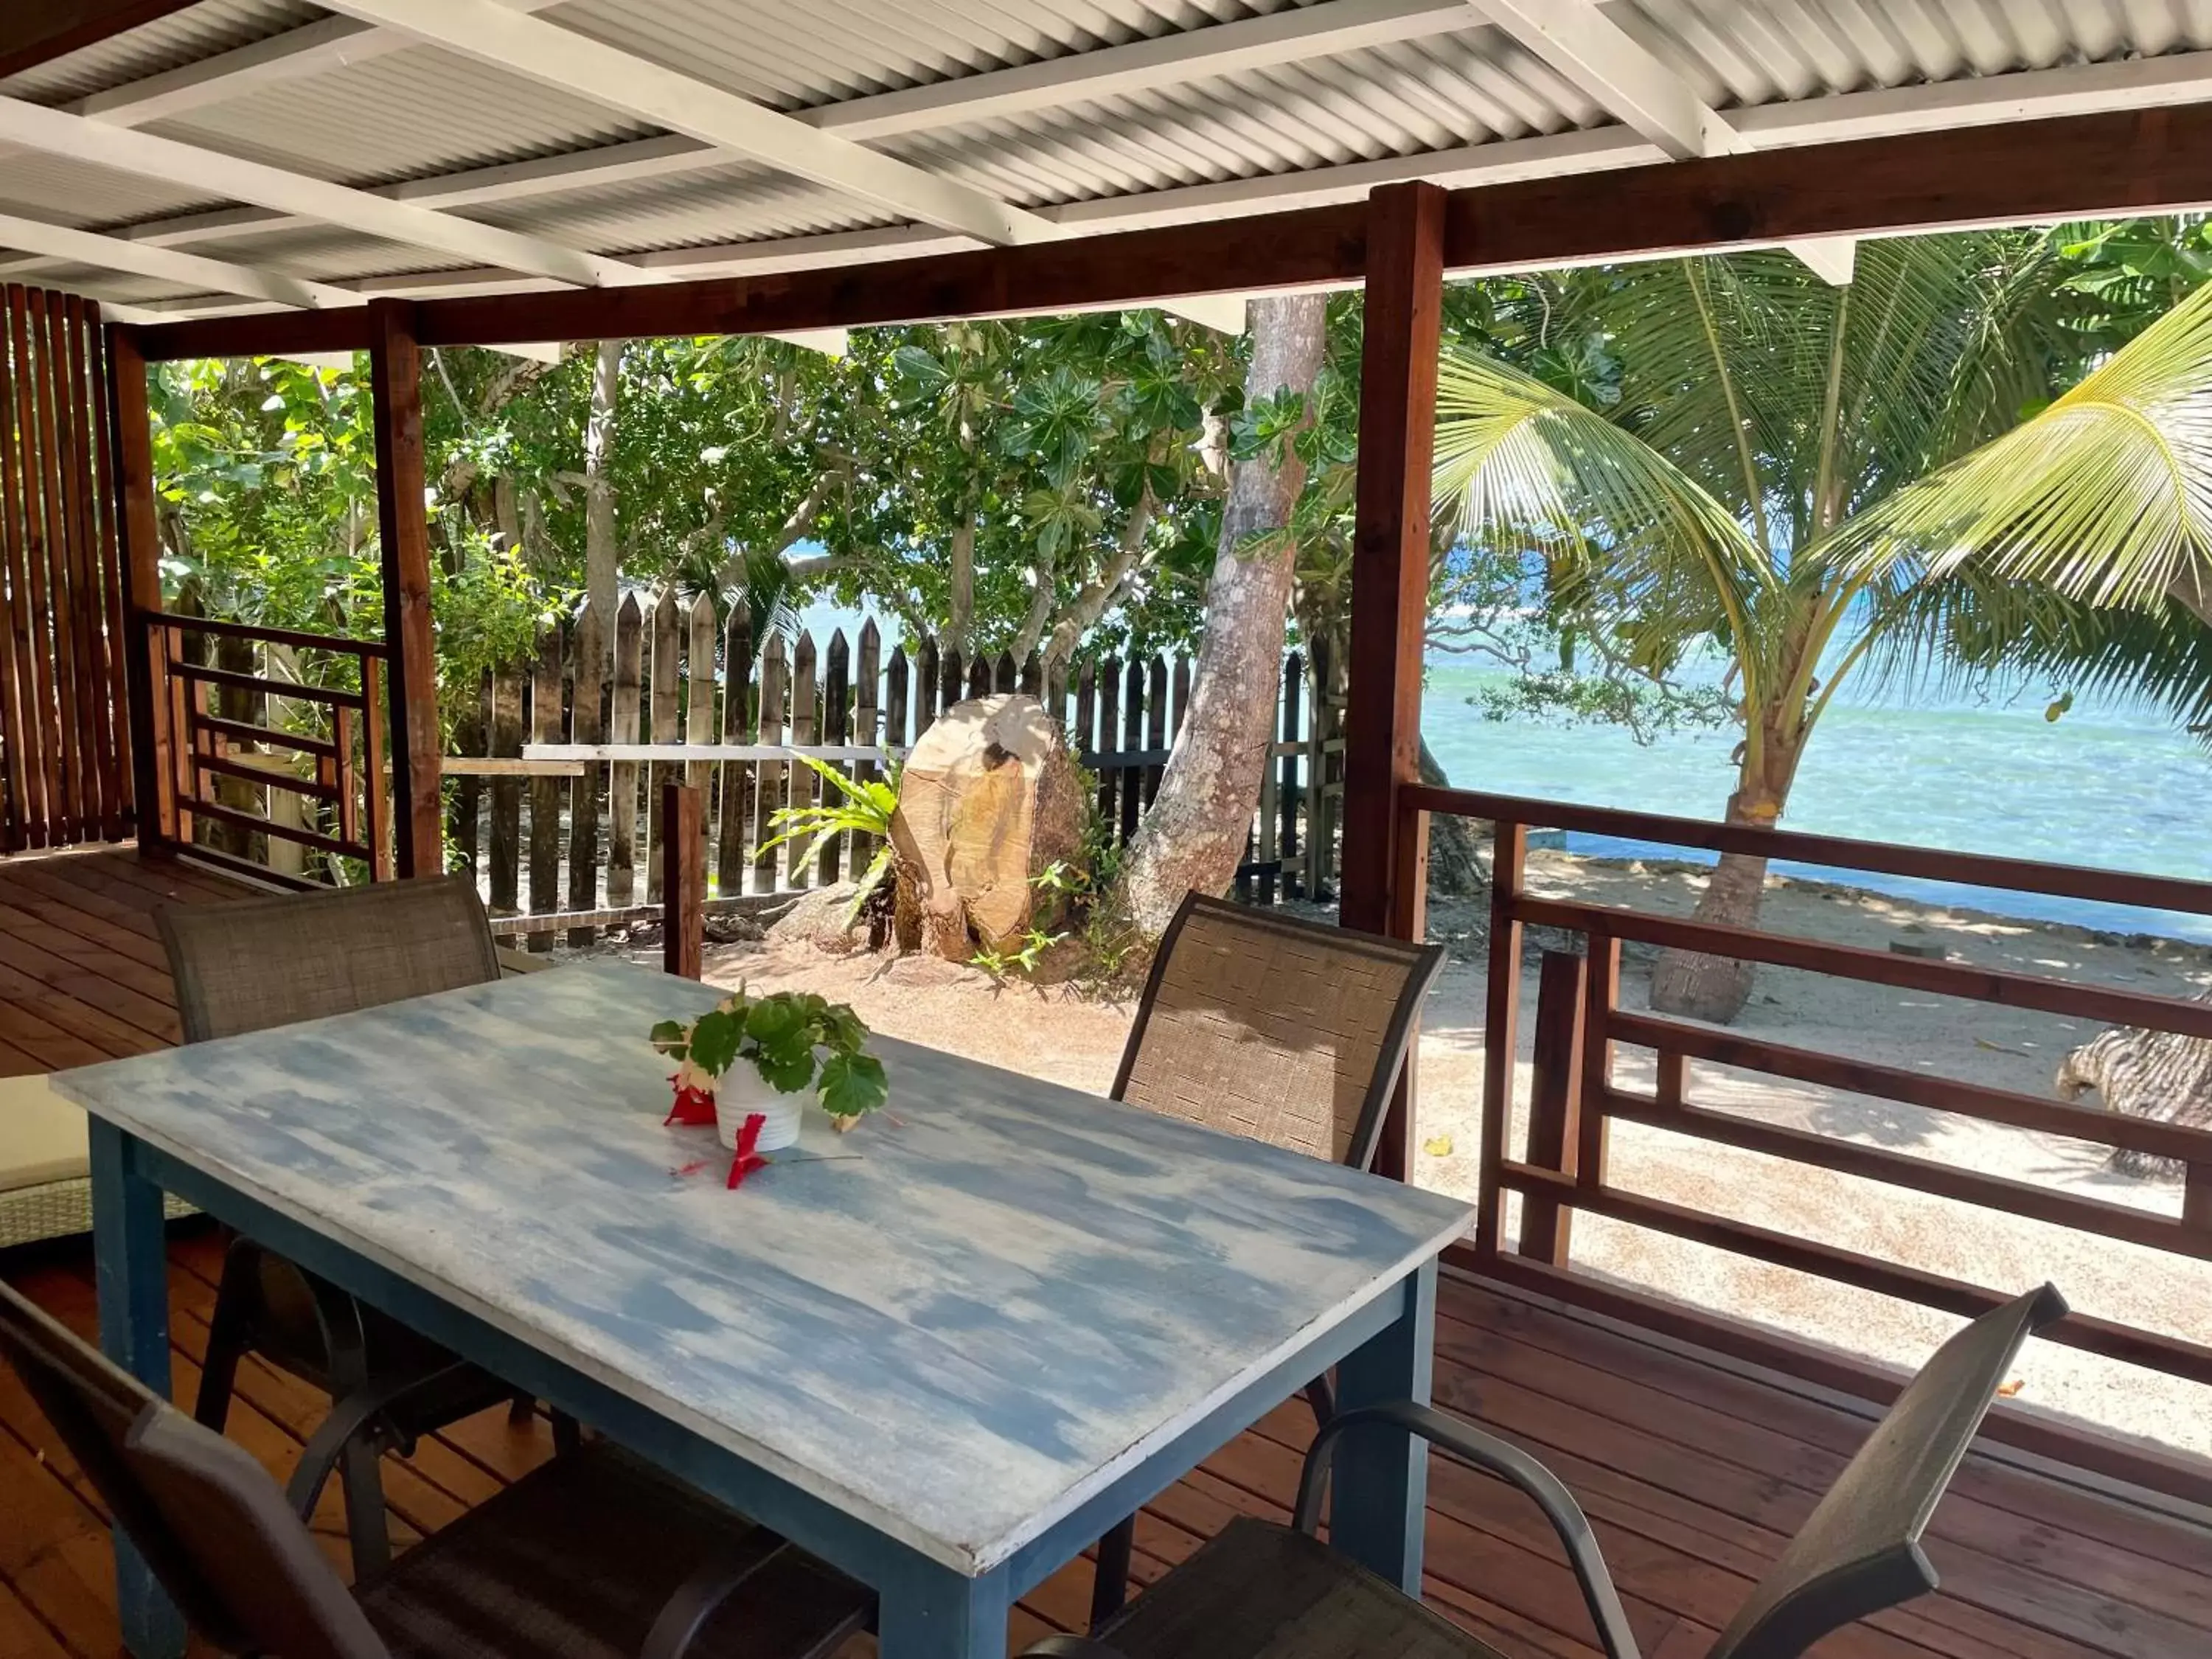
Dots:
{"x": 574, "y": 824}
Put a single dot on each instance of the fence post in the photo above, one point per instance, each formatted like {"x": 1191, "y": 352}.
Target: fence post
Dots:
{"x": 1133, "y": 738}
{"x": 681, "y": 823}
{"x": 1032, "y": 676}
{"x": 507, "y": 795}
{"x": 1602, "y": 997}
{"x": 1086, "y": 709}
{"x": 1109, "y": 726}
{"x": 1555, "y": 1101}
{"x": 836, "y": 724}
{"x": 979, "y": 677}
{"x": 799, "y": 779}
{"x": 699, "y": 691}
{"x": 896, "y": 698}
{"x": 768, "y": 793}
{"x": 664, "y": 711}
{"x": 588, "y": 653}
{"x": 1155, "y": 720}
{"x": 737, "y": 727}
{"x": 1500, "y": 1022}
{"x": 948, "y": 680}
{"x": 925, "y": 687}
{"x": 621, "y": 776}
{"x": 865, "y": 729}
{"x": 545, "y": 790}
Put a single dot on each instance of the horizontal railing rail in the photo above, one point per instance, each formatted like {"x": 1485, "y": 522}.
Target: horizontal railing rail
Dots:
{"x": 335, "y": 784}
{"x": 1837, "y": 852}
{"x": 1575, "y": 1097}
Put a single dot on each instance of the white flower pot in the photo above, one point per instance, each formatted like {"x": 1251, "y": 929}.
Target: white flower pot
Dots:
{"x": 741, "y": 1092}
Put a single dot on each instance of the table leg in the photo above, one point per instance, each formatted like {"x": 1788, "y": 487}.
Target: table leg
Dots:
{"x": 1378, "y": 1504}
{"x": 132, "y": 1267}
{"x": 925, "y": 1611}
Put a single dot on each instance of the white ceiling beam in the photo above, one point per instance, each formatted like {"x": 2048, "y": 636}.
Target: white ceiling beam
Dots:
{"x": 1619, "y": 74}
{"x": 573, "y": 63}
{"x": 1297, "y": 34}
{"x": 1626, "y": 80}
{"x": 211, "y": 172}
{"x": 316, "y": 48}
{"x": 166, "y": 264}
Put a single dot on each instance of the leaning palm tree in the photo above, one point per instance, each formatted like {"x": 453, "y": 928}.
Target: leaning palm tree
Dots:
{"x": 1829, "y": 483}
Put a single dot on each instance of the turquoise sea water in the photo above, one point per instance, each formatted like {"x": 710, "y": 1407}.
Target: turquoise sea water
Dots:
{"x": 2106, "y": 786}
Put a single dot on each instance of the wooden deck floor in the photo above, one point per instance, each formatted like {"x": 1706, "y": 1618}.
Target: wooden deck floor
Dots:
{"x": 82, "y": 974}
{"x": 1692, "y": 1475}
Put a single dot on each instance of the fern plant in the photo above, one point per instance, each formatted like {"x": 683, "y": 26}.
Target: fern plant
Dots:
{"x": 848, "y": 806}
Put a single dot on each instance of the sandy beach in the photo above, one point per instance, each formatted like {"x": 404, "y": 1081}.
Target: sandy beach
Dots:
{"x": 1056, "y": 1032}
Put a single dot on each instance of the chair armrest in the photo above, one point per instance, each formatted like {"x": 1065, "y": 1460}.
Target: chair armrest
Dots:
{"x": 1071, "y": 1647}
{"x": 686, "y": 1613}
{"x": 1493, "y": 1456}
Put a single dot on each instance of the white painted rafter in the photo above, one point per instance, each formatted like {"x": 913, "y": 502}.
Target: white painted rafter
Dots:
{"x": 1631, "y": 83}
{"x": 195, "y": 167}
{"x": 166, "y": 264}
{"x": 562, "y": 58}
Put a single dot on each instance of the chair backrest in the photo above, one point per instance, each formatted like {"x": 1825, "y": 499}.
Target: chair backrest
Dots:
{"x": 207, "y": 1519}
{"x": 1859, "y": 1552}
{"x": 1288, "y": 1031}
{"x": 259, "y": 962}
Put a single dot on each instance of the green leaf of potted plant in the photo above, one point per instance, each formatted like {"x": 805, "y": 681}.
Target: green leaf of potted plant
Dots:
{"x": 771, "y": 1055}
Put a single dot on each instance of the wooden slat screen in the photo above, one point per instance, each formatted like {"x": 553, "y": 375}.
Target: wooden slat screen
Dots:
{"x": 64, "y": 733}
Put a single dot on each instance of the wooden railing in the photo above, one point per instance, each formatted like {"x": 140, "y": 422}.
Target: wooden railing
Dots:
{"x": 321, "y": 790}
{"x": 1575, "y": 1095}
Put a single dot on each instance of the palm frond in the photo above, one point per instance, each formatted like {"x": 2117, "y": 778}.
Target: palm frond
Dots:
{"x": 1522, "y": 466}
{"x": 2106, "y": 496}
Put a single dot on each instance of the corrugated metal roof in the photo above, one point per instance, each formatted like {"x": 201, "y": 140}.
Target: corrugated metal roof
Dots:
{"x": 183, "y": 37}
{"x": 1447, "y": 84}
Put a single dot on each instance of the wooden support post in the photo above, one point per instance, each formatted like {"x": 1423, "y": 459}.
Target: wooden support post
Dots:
{"x": 1603, "y": 996}
{"x": 1555, "y": 1098}
{"x": 152, "y": 767}
{"x": 682, "y": 823}
{"x": 403, "y": 540}
{"x": 1390, "y": 583}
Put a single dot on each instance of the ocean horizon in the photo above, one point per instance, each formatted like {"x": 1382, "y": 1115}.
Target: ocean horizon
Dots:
{"x": 2104, "y": 785}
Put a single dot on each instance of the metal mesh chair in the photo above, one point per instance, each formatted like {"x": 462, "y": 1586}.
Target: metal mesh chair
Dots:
{"x": 263, "y": 963}
{"x": 1259, "y": 1589}
{"x": 594, "y": 1555}
{"x": 1288, "y": 1031}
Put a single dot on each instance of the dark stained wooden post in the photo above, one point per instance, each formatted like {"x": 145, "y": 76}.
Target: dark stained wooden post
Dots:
{"x": 1381, "y": 890}
{"x": 152, "y": 771}
{"x": 1554, "y": 1102}
{"x": 403, "y": 540}
{"x": 683, "y": 823}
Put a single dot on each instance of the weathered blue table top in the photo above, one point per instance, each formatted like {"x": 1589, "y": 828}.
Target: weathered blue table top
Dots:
{"x": 1012, "y": 1297}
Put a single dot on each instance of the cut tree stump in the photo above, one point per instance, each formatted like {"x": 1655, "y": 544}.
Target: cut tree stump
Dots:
{"x": 990, "y": 798}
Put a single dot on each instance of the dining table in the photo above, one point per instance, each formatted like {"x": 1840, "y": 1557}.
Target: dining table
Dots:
{"x": 1002, "y": 1316}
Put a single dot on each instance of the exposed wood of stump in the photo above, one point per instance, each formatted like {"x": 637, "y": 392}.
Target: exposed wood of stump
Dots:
{"x": 2160, "y": 1075}
{"x": 990, "y": 799}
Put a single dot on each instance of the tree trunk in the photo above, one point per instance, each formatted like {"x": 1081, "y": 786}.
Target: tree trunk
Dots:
{"x": 1454, "y": 857}
{"x": 602, "y": 559}
{"x": 1690, "y": 983}
{"x": 1193, "y": 833}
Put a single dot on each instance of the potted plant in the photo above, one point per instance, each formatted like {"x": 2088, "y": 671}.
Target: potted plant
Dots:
{"x": 771, "y": 1055}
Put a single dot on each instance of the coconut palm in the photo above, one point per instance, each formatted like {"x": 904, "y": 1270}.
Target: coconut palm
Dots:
{"x": 1836, "y": 481}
